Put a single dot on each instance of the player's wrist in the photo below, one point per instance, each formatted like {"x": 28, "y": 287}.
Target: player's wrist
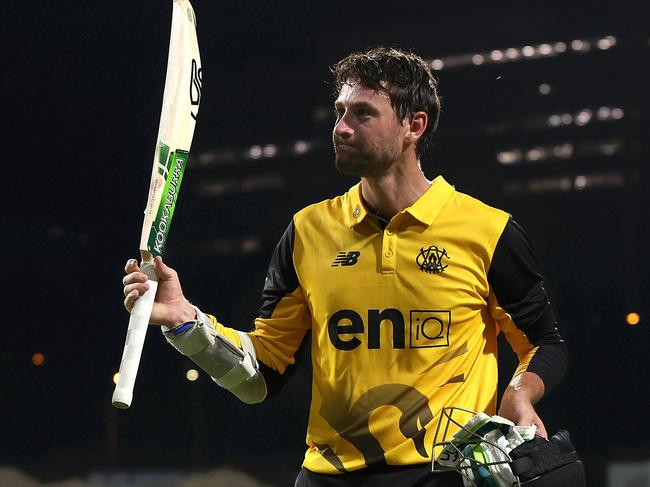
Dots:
{"x": 185, "y": 313}
{"x": 525, "y": 387}
{"x": 513, "y": 397}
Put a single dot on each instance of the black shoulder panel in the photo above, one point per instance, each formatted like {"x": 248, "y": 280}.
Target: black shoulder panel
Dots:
{"x": 519, "y": 288}
{"x": 281, "y": 277}
{"x": 517, "y": 284}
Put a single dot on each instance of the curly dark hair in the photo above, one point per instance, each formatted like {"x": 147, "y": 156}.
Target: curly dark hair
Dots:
{"x": 404, "y": 76}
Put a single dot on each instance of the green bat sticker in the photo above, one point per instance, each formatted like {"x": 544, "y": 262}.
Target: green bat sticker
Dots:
{"x": 172, "y": 166}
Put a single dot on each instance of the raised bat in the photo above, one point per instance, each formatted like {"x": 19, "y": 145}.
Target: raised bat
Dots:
{"x": 180, "y": 107}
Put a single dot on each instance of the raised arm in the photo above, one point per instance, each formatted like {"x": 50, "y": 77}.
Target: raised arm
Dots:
{"x": 225, "y": 354}
{"x": 250, "y": 365}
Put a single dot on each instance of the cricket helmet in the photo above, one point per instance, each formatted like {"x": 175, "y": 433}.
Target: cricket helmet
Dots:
{"x": 490, "y": 451}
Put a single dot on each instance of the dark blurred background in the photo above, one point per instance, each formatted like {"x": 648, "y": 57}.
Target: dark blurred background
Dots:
{"x": 545, "y": 114}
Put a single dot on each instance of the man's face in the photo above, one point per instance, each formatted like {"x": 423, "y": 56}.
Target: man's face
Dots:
{"x": 367, "y": 136}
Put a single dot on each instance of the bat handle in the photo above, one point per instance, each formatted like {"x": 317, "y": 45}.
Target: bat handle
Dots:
{"x": 138, "y": 324}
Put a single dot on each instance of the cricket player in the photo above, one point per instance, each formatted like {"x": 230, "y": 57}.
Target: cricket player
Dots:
{"x": 404, "y": 284}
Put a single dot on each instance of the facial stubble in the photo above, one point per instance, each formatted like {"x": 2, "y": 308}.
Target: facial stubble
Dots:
{"x": 356, "y": 162}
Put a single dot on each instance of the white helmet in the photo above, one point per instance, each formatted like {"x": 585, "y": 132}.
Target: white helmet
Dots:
{"x": 490, "y": 451}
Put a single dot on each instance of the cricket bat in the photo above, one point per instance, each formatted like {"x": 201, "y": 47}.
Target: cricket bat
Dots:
{"x": 180, "y": 106}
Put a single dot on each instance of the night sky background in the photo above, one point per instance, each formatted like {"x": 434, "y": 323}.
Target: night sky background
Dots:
{"x": 82, "y": 84}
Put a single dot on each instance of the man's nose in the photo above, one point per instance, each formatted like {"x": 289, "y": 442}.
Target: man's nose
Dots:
{"x": 342, "y": 129}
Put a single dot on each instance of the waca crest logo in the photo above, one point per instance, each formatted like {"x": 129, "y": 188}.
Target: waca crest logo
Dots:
{"x": 431, "y": 260}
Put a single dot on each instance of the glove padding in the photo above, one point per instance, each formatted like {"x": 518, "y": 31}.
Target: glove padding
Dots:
{"x": 538, "y": 457}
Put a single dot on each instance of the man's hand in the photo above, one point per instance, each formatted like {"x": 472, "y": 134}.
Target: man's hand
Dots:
{"x": 517, "y": 403}
{"x": 170, "y": 308}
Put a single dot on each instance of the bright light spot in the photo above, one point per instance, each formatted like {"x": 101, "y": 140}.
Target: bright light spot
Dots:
{"x": 618, "y": 113}
{"x": 577, "y": 45}
{"x": 545, "y": 49}
{"x": 38, "y": 359}
{"x": 300, "y": 147}
{"x": 604, "y": 113}
{"x": 544, "y": 89}
{"x": 437, "y": 64}
{"x": 534, "y": 154}
{"x": 583, "y": 117}
{"x": 633, "y": 319}
{"x": 509, "y": 157}
{"x": 512, "y": 53}
{"x": 604, "y": 44}
{"x": 496, "y": 55}
{"x": 567, "y": 118}
{"x": 269, "y": 150}
{"x": 580, "y": 182}
{"x": 192, "y": 375}
{"x": 554, "y": 120}
{"x": 559, "y": 47}
{"x": 528, "y": 51}
{"x": 477, "y": 59}
{"x": 255, "y": 152}
{"x": 116, "y": 376}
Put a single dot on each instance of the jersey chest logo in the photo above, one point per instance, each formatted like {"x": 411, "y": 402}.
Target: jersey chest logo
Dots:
{"x": 425, "y": 328}
{"x": 346, "y": 258}
{"x": 432, "y": 260}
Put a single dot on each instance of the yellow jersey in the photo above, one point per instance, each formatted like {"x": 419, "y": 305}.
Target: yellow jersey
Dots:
{"x": 404, "y": 318}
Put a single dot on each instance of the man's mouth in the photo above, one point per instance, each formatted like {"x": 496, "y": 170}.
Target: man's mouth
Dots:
{"x": 345, "y": 147}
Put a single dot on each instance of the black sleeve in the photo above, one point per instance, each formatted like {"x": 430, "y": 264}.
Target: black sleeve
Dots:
{"x": 518, "y": 286}
{"x": 281, "y": 279}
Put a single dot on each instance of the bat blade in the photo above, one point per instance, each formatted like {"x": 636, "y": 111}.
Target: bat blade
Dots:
{"x": 181, "y": 99}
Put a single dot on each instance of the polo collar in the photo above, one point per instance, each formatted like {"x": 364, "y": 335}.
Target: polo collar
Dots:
{"x": 425, "y": 209}
{"x": 428, "y": 206}
{"x": 355, "y": 210}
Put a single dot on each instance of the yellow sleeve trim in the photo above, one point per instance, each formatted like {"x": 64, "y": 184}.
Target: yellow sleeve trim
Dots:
{"x": 229, "y": 333}
{"x": 277, "y": 338}
{"x": 524, "y": 361}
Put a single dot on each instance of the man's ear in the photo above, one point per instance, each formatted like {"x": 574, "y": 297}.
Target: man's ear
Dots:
{"x": 416, "y": 127}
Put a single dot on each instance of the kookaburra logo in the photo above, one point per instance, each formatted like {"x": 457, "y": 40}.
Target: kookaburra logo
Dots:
{"x": 196, "y": 84}
{"x": 431, "y": 259}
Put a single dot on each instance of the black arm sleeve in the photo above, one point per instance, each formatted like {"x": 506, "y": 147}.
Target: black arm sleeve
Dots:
{"x": 281, "y": 279}
{"x": 519, "y": 289}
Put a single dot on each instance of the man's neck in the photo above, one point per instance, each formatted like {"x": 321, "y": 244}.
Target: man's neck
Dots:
{"x": 395, "y": 190}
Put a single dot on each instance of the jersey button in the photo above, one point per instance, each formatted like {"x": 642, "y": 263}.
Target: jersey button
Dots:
{"x": 389, "y": 233}
{"x": 388, "y": 254}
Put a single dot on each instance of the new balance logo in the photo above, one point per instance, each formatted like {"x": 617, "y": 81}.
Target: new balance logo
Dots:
{"x": 346, "y": 258}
